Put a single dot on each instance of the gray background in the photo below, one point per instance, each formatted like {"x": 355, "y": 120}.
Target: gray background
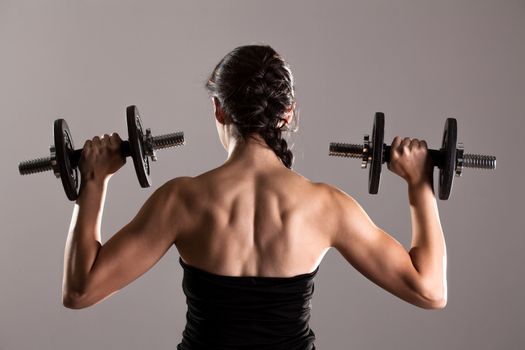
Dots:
{"x": 417, "y": 61}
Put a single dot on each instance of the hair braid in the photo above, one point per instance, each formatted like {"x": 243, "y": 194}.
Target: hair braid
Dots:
{"x": 255, "y": 87}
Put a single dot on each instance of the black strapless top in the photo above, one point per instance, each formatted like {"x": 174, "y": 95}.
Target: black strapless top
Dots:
{"x": 246, "y": 312}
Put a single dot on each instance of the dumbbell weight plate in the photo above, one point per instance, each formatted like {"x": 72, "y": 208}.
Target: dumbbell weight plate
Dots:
{"x": 136, "y": 143}
{"x": 63, "y": 146}
{"x": 448, "y": 146}
{"x": 378, "y": 136}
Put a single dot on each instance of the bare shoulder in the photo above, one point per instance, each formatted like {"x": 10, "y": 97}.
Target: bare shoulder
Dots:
{"x": 179, "y": 189}
{"x": 331, "y": 193}
{"x": 175, "y": 186}
{"x": 179, "y": 183}
{"x": 338, "y": 198}
{"x": 344, "y": 217}
{"x": 178, "y": 197}
{"x": 171, "y": 196}
{"x": 324, "y": 193}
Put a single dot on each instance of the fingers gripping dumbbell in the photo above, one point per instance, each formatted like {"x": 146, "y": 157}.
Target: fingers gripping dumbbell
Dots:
{"x": 450, "y": 158}
{"x": 64, "y": 159}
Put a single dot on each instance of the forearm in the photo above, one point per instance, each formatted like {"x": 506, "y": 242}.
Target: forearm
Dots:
{"x": 83, "y": 240}
{"x": 428, "y": 250}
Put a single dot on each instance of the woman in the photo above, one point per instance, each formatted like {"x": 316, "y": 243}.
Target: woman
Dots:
{"x": 251, "y": 233}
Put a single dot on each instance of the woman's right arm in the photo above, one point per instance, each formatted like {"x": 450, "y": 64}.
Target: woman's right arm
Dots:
{"x": 417, "y": 276}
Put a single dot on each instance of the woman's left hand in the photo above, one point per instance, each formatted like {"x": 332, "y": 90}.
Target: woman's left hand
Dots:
{"x": 101, "y": 158}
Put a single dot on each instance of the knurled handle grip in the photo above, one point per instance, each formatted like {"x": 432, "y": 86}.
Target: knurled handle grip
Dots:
{"x": 74, "y": 156}
{"x": 476, "y": 161}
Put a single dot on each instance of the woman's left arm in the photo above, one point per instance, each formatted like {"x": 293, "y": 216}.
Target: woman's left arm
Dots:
{"x": 92, "y": 271}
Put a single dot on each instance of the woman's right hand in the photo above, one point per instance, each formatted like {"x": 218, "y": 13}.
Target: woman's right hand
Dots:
{"x": 409, "y": 159}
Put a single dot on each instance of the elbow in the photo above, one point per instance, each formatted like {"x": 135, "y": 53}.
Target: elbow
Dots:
{"x": 439, "y": 304}
{"x": 69, "y": 303}
{"x": 75, "y": 301}
{"x": 75, "y": 294}
{"x": 434, "y": 304}
{"x": 434, "y": 298}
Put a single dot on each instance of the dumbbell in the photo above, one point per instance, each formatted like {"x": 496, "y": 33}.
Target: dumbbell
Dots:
{"x": 450, "y": 158}
{"x": 64, "y": 158}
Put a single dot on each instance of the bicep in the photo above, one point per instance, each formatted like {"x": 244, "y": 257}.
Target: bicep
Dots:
{"x": 133, "y": 250}
{"x": 373, "y": 252}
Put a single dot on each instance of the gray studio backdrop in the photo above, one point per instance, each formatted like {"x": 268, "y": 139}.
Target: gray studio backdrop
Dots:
{"x": 418, "y": 61}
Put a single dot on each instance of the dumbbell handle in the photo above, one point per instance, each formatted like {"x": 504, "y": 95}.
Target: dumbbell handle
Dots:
{"x": 44, "y": 164}
{"x": 436, "y": 156}
{"x": 157, "y": 142}
{"x": 356, "y": 151}
{"x": 478, "y": 161}
{"x": 74, "y": 157}
{"x": 39, "y": 165}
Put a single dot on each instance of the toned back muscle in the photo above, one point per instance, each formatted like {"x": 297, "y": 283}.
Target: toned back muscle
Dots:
{"x": 241, "y": 221}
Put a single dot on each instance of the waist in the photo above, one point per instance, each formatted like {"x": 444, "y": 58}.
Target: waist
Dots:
{"x": 252, "y": 334}
{"x": 247, "y": 312}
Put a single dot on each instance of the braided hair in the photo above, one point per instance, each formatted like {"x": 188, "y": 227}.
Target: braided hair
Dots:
{"x": 255, "y": 87}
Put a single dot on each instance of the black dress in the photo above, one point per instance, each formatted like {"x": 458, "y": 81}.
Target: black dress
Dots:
{"x": 245, "y": 312}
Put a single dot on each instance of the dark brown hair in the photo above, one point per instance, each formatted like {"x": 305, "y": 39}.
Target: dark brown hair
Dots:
{"x": 255, "y": 87}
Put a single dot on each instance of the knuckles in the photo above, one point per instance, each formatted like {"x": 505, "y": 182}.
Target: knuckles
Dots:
{"x": 406, "y": 146}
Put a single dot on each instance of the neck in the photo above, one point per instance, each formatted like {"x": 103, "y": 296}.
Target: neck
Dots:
{"x": 252, "y": 151}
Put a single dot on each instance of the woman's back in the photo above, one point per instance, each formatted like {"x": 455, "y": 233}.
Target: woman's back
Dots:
{"x": 251, "y": 246}
{"x": 252, "y": 232}
{"x": 259, "y": 219}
